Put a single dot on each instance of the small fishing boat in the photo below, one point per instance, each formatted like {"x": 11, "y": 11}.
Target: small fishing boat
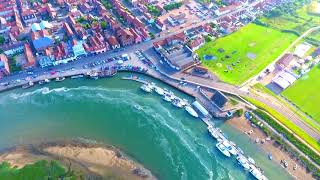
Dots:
{"x": 77, "y": 76}
{"x": 176, "y": 103}
{"x": 166, "y": 97}
{"x": 191, "y": 111}
{"x": 146, "y": 88}
{"x": 213, "y": 132}
{"x": 59, "y": 79}
{"x": 159, "y": 90}
{"x": 46, "y": 81}
{"x": 223, "y": 149}
{"x": 28, "y": 85}
{"x": 230, "y": 148}
{"x": 243, "y": 161}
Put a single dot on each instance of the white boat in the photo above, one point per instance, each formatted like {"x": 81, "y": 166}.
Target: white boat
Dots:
{"x": 58, "y": 79}
{"x": 176, "y": 103}
{"x": 223, "y": 149}
{"x": 28, "y": 85}
{"x": 213, "y": 132}
{"x": 230, "y": 148}
{"x": 167, "y": 98}
{"x": 184, "y": 102}
{"x": 251, "y": 160}
{"x": 191, "y": 111}
{"x": 159, "y": 90}
{"x": 243, "y": 161}
{"x": 146, "y": 88}
{"x": 255, "y": 172}
{"x": 77, "y": 76}
{"x": 44, "y": 81}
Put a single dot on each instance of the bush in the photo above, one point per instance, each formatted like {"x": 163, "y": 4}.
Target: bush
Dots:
{"x": 153, "y": 10}
{"x": 171, "y": 6}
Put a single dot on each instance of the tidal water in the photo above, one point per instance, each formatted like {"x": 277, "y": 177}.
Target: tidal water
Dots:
{"x": 165, "y": 139}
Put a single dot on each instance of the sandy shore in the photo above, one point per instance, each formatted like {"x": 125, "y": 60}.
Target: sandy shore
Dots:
{"x": 270, "y": 147}
{"x": 95, "y": 161}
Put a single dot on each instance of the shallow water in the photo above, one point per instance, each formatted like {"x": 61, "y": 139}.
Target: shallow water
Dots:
{"x": 165, "y": 139}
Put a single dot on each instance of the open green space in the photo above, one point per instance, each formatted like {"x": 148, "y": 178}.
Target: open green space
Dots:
{"x": 39, "y": 170}
{"x": 287, "y": 123}
{"x": 244, "y": 53}
{"x": 304, "y": 93}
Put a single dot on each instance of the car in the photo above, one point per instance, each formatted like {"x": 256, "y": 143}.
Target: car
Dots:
{"x": 53, "y": 72}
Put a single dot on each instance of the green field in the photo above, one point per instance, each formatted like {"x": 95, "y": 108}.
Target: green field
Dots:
{"x": 305, "y": 93}
{"x": 233, "y": 65}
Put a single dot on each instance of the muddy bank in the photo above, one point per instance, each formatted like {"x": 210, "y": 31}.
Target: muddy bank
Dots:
{"x": 269, "y": 146}
{"x": 94, "y": 161}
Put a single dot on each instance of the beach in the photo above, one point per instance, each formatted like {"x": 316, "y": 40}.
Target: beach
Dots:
{"x": 93, "y": 160}
{"x": 269, "y": 146}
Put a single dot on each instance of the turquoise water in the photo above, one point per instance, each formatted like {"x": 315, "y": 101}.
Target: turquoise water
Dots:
{"x": 166, "y": 140}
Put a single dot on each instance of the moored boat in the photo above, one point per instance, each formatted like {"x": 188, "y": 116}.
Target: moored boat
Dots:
{"x": 176, "y": 103}
{"x": 166, "y": 97}
{"x": 59, "y": 79}
{"x": 159, "y": 90}
{"x": 213, "y": 132}
{"x": 223, "y": 149}
{"x": 146, "y": 88}
{"x": 243, "y": 161}
{"x": 28, "y": 85}
{"x": 77, "y": 76}
{"x": 230, "y": 148}
{"x": 44, "y": 81}
{"x": 191, "y": 111}
{"x": 255, "y": 172}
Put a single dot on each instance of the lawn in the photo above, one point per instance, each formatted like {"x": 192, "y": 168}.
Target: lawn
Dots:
{"x": 305, "y": 93}
{"x": 243, "y": 54}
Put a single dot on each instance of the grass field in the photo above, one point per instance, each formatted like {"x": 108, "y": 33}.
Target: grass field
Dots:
{"x": 244, "y": 53}
{"x": 305, "y": 93}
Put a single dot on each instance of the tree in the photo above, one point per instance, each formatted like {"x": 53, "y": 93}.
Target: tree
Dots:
{"x": 103, "y": 25}
{"x": 2, "y": 40}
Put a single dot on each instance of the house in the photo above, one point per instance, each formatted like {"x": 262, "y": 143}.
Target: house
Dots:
{"x": 29, "y": 56}
{"x": 96, "y": 45}
{"x": 284, "y": 61}
{"x": 176, "y": 20}
{"x": 4, "y": 65}
{"x": 196, "y": 43}
{"x": 160, "y": 25}
{"x": 12, "y": 48}
{"x": 113, "y": 42}
{"x": 125, "y": 37}
{"x": 137, "y": 37}
{"x": 68, "y": 29}
{"x": 41, "y": 40}
{"x": 28, "y": 16}
{"x": 4, "y": 26}
{"x": 51, "y": 11}
{"x": 77, "y": 48}
{"x": 85, "y": 8}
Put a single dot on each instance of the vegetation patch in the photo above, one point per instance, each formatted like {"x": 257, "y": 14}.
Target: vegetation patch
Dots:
{"x": 304, "y": 93}
{"x": 172, "y": 6}
{"x": 39, "y": 170}
{"x": 245, "y": 53}
{"x": 286, "y": 122}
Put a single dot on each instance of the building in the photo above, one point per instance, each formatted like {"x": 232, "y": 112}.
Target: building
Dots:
{"x": 284, "y": 61}
{"x": 196, "y": 43}
{"x": 219, "y": 99}
{"x": 174, "y": 52}
{"x": 77, "y": 48}
{"x": 28, "y": 16}
{"x": 4, "y": 65}
{"x": 176, "y": 20}
{"x": 125, "y": 37}
{"x": 41, "y": 40}
{"x": 284, "y": 79}
{"x": 12, "y": 48}
{"x": 29, "y": 56}
{"x": 113, "y": 42}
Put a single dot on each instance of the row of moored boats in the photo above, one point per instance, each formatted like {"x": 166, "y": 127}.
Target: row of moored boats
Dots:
{"x": 229, "y": 148}
{"x": 170, "y": 97}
